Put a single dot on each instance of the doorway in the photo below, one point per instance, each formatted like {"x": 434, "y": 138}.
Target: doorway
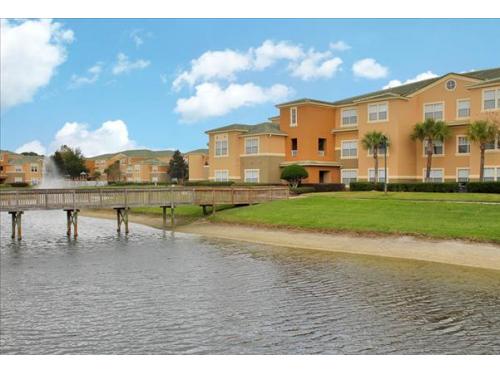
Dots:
{"x": 324, "y": 177}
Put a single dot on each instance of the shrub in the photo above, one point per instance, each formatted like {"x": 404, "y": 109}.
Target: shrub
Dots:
{"x": 483, "y": 187}
{"x": 436, "y": 187}
{"x": 325, "y": 187}
{"x": 19, "y": 184}
{"x": 365, "y": 186}
{"x": 294, "y": 174}
{"x": 302, "y": 190}
{"x": 208, "y": 183}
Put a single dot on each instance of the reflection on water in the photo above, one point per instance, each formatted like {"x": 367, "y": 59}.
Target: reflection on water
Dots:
{"x": 157, "y": 293}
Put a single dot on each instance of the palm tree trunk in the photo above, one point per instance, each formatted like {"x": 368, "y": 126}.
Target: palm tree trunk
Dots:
{"x": 481, "y": 165}
{"x": 375, "y": 156}
{"x": 429, "y": 161}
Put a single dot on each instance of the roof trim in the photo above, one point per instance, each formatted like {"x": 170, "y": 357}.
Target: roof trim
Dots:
{"x": 311, "y": 163}
{"x": 305, "y": 101}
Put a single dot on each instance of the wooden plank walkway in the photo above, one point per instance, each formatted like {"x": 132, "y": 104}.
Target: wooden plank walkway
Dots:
{"x": 73, "y": 199}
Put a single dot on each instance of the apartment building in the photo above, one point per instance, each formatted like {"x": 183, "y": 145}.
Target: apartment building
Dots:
{"x": 137, "y": 166}
{"x": 325, "y": 137}
{"x": 198, "y": 164}
{"x": 20, "y": 168}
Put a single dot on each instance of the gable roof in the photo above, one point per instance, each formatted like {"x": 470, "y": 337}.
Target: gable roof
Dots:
{"x": 198, "y": 151}
{"x": 144, "y": 153}
{"x": 402, "y": 91}
{"x": 262, "y": 128}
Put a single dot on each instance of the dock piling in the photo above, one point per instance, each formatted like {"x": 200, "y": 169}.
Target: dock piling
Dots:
{"x": 72, "y": 221}
{"x": 16, "y": 224}
{"x": 122, "y": 217}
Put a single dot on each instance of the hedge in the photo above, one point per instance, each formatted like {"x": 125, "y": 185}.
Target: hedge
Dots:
{"x": 19, "y": 184}
{"x": 438, "y": 187}
{"x": 319, "y": 188}
{"x": 483, "y": 187}
{"x": 302, "y": 190}
{"x": 208, "y": 183}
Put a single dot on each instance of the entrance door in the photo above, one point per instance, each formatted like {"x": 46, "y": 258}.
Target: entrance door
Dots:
{"x": 324, "y": 177}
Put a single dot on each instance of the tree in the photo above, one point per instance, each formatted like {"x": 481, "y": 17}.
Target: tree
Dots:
{"x": 69, "y": 162}
{"x": 177, "y": 167}
{"x": 373, "y": 141}
{"x": 294, "y": 174}
{"x": 482, "y": 132}
{"x": 113, "y": 172}
{"x": 96, "y": 175}
{"x": 29, "y": 153}
{"x": 429, "y": 132}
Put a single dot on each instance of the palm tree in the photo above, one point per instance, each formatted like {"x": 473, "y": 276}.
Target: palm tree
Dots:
{"x": 429, "y": 132}
{"x": 482, "y": 132}
{"x": 373, "y": 141}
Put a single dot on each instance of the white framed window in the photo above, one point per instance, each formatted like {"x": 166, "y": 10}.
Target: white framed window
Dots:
{"x": 463, "y": 145}
{"x": 129, "y": 168}
{"x": 137, "y": 167}
{"x": 462, "y": 174}
{"x": 34, "y": 168}
{"x": 381, "y": 175}
{"x": 34, "y": 181}
{"x": 349, "y": 117}
{"x": 349, "y": 149}
{"x": 436, "y": 175}
{"x": 491, "y": 99}
{"x": 18, "y": 179}
{"x": 489, "y": 174}
{"x": 221, "y": 147}
{"x": 348, "y": 176}
{"x": 154, "y": 168}
{"x": 380, "y": 151}
{"x": 154, "y": 179}
{"x": 434, "y": 111}
{"x": 378, "y": 112}
{"x": 438, "y": 147}
{"x": 293, "y": 116}
{"x": 222, "y": 175}
{"x": 252, "y": 175}
{"x": 463, "y": 108}
{"x": 495, "y": 145}
{"x": 251, "y": 145}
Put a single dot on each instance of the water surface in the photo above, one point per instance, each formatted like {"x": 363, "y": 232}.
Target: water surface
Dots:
{"x": 158, "y": 293}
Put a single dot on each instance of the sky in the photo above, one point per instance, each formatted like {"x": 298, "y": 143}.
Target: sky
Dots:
{"x": 106, "y": 85}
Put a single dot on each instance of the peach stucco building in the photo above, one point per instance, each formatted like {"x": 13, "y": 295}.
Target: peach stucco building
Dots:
{"x": 325, "y": 136}
{"x": 15, "y": 168}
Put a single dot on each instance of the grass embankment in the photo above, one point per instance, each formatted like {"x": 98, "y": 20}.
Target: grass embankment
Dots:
{"x": 421, "y": 214}
{"x": 184, "y": 214}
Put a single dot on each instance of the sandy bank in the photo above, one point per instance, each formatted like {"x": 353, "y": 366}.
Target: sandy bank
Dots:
{"x": 442, "y": 251}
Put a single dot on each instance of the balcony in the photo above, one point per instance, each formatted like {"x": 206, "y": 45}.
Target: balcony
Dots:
{"x": 294, "y": 153}
{"x": 321, "y": 153}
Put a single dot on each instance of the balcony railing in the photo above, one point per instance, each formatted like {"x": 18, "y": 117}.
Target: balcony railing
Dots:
{"x": 294, "y": 152}
{"x": 321, "y": 153}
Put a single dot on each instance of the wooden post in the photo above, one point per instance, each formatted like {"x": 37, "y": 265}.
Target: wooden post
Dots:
{"x": 100, "y": 198}
{"x": 19, "y": 230}
{"x": 172, "y": 217}
{"x": 126, "y": 219}
{"x": 68, "y": 223}
{"x": 164, "y": 209}
{"x": 232, "y": 196}
{"x": 122, "y": 217}
{"x": 118, "y": 222}
{"x": 13, "y": 214}
{"x": 16, "y": 222}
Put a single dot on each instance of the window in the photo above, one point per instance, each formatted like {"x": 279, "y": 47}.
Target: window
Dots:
{"x": 489, "y": 174}
{"x": 251, "y": 145}
{"x": 381, "y": 175}
{"x": 155, "y": 168}
{"x": 380, "y": 151}
{"x": 34, "y": 181}
{"x": 493, "y": 145}
{"x": 19, "y": 169}
{"x": 377, "y": 112}
{"x": 436, "y": 175}
{"x": 154, "y": 179}
{"x": 18, "y": 179}
{"x": 293, "y": 116}
{"x": 294, "y": 146}
{"x": 34, "y": 168}
{"x": 463, "y": 145}
{"x": 491, "y": 99}
{"x": 221, "y": 147}
{"x": 222, "y": 175}
{"x": 321, "y": 146}
{"x": 349, "y": 150}
{"x": 349, "y": 117}
{"x": 463, "y": 108}
{"x": 137, "y": 167}
{"x": 463, "y": 175}
{"x": 348, "y": 176}
{"x": 252, "y": 175}
{"x": 438, "y": 147}
{"x": 434, "y": 111}
{"x": 451, "y": 84}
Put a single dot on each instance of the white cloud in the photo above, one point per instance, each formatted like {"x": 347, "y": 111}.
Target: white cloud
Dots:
{"x": 369, "y": 68}
{"x": 112, "y": 136}
{"x": 211, "y": 100}
{"x": 214, "y": 64}
{"x": 124, "y": 65}
{"x": 316, "y": 65}
{"x": 419, "y": 77}
{"x": 30, "y": 53}
{"x": 33, "y": 146}
{"x": 136, "y": 37}
{"x": 269, "y": 52}
{"x": 92, "y": 76}
{"x": 340, "y": 46}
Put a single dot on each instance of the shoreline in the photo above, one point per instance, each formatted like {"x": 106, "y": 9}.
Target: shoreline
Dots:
{"x": 455, "y": 252}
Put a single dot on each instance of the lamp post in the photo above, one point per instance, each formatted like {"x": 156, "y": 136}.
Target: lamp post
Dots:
{"x": 385, "y": 164}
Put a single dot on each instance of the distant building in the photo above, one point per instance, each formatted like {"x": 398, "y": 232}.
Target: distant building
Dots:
{"x": 16, "y": 168}
{"x": 198, "y": 164}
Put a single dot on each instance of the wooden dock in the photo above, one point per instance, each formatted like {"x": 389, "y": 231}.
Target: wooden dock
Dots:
{"x": 16, "y": 202}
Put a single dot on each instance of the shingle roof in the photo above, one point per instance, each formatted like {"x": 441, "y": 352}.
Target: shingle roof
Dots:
{"x": 265, "y": 127}
{"x": 198, "y": 151}
{"x": 403, "y": 90}
{"x": 136, "y": 153}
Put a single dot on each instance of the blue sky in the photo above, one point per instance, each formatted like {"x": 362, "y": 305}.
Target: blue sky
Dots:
{"x": 105, "y": 85}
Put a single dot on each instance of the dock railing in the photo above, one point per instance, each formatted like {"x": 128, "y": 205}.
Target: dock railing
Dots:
{"x": 52, "y": 199}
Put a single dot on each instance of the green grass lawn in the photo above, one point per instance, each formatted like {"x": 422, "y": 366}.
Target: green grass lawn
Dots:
{"x": 395, "y": 214}
{"x": 462, "y": 197}
{"x": 183, "y": 213}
